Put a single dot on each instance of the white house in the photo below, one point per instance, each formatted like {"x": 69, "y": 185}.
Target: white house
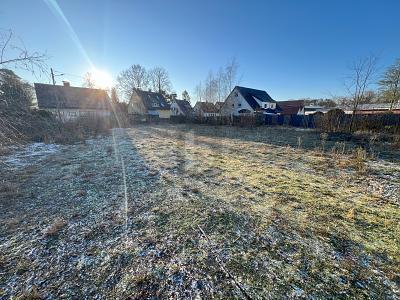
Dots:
{"x": 181, "y": 108}
{"x": 244, "y": 100}
{"x": 68, "y": 102}
{"x": 205, "y": 109}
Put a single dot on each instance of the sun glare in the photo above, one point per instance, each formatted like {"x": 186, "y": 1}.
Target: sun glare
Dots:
{"x": 101, "y": 79}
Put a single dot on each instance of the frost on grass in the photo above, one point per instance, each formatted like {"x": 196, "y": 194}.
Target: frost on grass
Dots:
{"x": 27, "y": 155}
{"x": 286, "y": 221}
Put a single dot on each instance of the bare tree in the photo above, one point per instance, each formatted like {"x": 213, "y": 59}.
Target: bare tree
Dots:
{"x": 217, "y": 87}
{"x": 231, "y": 75}
{"x": 159, "y": 80}
{"x": 114, "y": 96}
{"x": 390, "y": 84}
{"x": 135, "y": 77}
{"x": 185, "y": 95}
{"x": 211, "y": 88}
{"x": 220, "y": 81}
{"x": 88, "y": 80}
{"x": 361, "y": 77}
{"x": 199, "y": 92}
{"x": 13, "y": 54}
{"x": 370, "y": 97}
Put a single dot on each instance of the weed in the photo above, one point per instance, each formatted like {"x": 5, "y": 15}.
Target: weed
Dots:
{"x": 350, "y": 214}
{"x": 324, "y": 138}
{"x": 81, "y": 193}
{"x": 299, "y": 142}
{"x": 55, "y": 227}
{"x": 8, "y": 187}
{"x": 359, "y": 159}
{"x": 32, "y": 294}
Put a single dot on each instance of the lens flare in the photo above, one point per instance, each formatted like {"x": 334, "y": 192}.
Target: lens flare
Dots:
{"x": 101, "y": 79}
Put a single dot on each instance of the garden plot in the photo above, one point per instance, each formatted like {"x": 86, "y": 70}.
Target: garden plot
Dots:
{"x": 178, "y": 211}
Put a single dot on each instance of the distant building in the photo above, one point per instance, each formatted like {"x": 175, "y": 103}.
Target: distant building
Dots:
{"x": 205, "y": 109}
{"x": 149, "y": 103}
{"x": 69, "y": 102}
{"x": 244, "y": 100}
{"x": 292, "y": 107}
{"x": 218, "y": 105}
{"x": 312, "y": 109}
{"x": 373, "y": 109}
{"x": 181, "y": 108}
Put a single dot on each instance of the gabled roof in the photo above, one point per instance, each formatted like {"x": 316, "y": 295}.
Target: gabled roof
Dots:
{"x": 184, "y": 105}
{"x": 218, "y": 105}
{"x": 250, "y": 95}
{"x": 152, "y": 100}
{"x": 206, "y": 107}
{"x": 68, "y": 97}
{"x": 291, "y": 107}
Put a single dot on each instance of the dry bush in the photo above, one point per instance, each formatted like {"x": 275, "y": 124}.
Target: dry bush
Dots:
{"x": 6, "y": 187}
{"x": 32, "y": 294}
{"x": 71, "y": 131}
{"x": 332, "y": 121}
{"x": 55, "y": 227}
{"x": 324, "y": 137}
{"x": 359, "y": 158}
{"x": 396, "y": 142}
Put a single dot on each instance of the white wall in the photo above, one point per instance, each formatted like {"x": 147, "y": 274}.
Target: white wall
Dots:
{"x": 211, "y": 115}
{"x": 71, "y": 114}
{"x": 265, "y": 105}
{"x": 135, "y": 105}
{"x": 175, "y": 109}
{"x": 234, "y": 103}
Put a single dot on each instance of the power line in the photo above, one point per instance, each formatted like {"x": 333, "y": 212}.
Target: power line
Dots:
{"x": 54, "y": 75}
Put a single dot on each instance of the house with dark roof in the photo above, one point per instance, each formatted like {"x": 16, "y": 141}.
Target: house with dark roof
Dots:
{"x": 218, "y": 105}
{"x": 205, "y": 109}
{"x": 181, "y": 108}
{"x": 68, "y": 102}
{"x": 244, "y": 100}
{"x": 148, "y": 103}
{"x": 291, "y": 107}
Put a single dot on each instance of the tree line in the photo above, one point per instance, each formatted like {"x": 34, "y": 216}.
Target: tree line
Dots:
{"x": 138, "y": 77}
{"x": 217, "y": 85}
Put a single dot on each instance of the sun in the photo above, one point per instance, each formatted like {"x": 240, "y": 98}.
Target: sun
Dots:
{"x": 101, "y": 79}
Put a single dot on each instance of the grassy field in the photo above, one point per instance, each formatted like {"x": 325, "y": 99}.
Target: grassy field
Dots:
{"x": 179, "y": 211}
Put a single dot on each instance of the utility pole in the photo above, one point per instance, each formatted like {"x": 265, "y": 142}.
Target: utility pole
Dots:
{"x": 52, "y": 76}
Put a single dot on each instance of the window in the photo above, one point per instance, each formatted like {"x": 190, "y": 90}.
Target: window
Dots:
{"x": 233, "y": 104}
{"x": 236, "y": 94}
{"x": 265, "y": 105}
{"x": 240, "y": 104}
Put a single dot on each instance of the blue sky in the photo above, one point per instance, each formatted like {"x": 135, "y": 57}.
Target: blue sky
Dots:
{"x": 290, "y": 48}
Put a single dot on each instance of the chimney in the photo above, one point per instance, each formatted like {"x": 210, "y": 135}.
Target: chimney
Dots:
{"x": 66, "y": 83}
